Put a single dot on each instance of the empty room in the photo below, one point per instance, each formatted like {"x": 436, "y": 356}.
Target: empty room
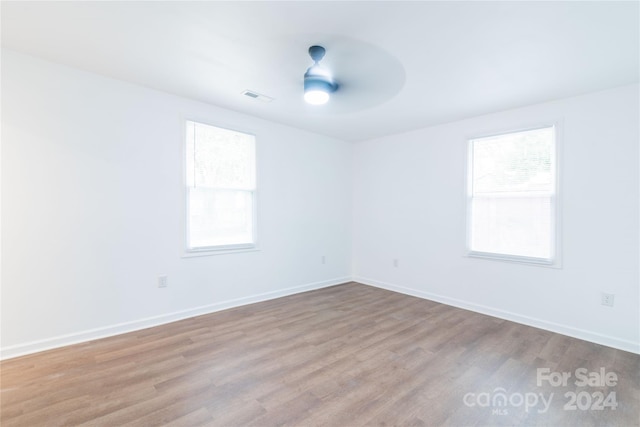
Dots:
{"x": 320, "y": 213}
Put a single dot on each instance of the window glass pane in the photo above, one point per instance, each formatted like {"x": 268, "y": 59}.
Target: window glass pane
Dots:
{"x": 222, "y": 158}
{"x": 519, "y": 161}
{"x": 220, "y": 217}
{"x": 519, "y": 226}
{"x": 512, "y": 194}
{"x": 220, "y": 178}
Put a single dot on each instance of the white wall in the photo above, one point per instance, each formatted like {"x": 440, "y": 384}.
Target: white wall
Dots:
{"x": 92, "y": 204}
{"x": 409, "y": 204}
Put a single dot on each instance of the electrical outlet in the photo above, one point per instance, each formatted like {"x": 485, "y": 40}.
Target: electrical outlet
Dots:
{"x": 323, "y": 259}
{"x": 607, "y": 299}
{"x": 395, "y": 262}
{"x": 163, "y": 281}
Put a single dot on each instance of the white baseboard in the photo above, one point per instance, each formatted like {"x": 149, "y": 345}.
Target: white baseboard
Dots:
{"x": 136, "y": 325}
{"x": 609, "y": 341}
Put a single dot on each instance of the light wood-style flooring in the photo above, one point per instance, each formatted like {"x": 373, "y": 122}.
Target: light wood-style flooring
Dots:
{"x": 348, "y": 355}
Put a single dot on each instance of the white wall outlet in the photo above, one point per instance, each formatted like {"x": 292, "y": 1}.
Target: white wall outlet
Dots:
{"x": 163, "y": 281}
{"x": 607, "y": 299}
{"x": 323, "y": 259}
{"x": 396, "y": 263}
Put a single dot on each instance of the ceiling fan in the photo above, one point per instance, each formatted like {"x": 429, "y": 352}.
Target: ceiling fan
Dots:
{"x": 318, "y": 81}
{"x": 356, "y": 76}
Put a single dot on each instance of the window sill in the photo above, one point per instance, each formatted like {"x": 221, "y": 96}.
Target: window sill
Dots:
{"x": 221, "y": 251}
{"x": 536, "y": 262}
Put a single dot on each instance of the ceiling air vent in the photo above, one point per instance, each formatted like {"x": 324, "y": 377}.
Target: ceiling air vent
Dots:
{"x": 258, "y": 96}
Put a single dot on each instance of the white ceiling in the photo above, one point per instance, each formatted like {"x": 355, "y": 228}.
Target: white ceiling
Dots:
{"x": 401, "y": 65}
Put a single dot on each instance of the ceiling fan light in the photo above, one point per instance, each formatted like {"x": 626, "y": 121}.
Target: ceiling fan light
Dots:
{"x": 316, "y": 97}
{"x": 317, "y": 89}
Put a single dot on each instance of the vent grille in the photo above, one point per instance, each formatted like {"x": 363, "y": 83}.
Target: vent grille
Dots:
{"x": 255, "y": 95}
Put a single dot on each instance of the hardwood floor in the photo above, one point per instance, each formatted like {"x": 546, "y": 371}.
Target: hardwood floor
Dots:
{"x": 348, "y": 355}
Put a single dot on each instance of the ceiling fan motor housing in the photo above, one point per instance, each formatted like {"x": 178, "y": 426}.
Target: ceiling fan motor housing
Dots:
{"x": 319, "y": 82}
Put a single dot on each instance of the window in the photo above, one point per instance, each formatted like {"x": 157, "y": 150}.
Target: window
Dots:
{"x": 221, "y": 189}
{"x": 512, "y": 196}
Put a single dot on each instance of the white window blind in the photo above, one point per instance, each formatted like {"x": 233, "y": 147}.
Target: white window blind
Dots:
{"x": 221, "y": 185}
{"x": 512, "y": 196}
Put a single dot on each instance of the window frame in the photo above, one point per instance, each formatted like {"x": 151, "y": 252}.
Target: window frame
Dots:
{"x": 188, "y": 252}
{"x": 555, "y": 259}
